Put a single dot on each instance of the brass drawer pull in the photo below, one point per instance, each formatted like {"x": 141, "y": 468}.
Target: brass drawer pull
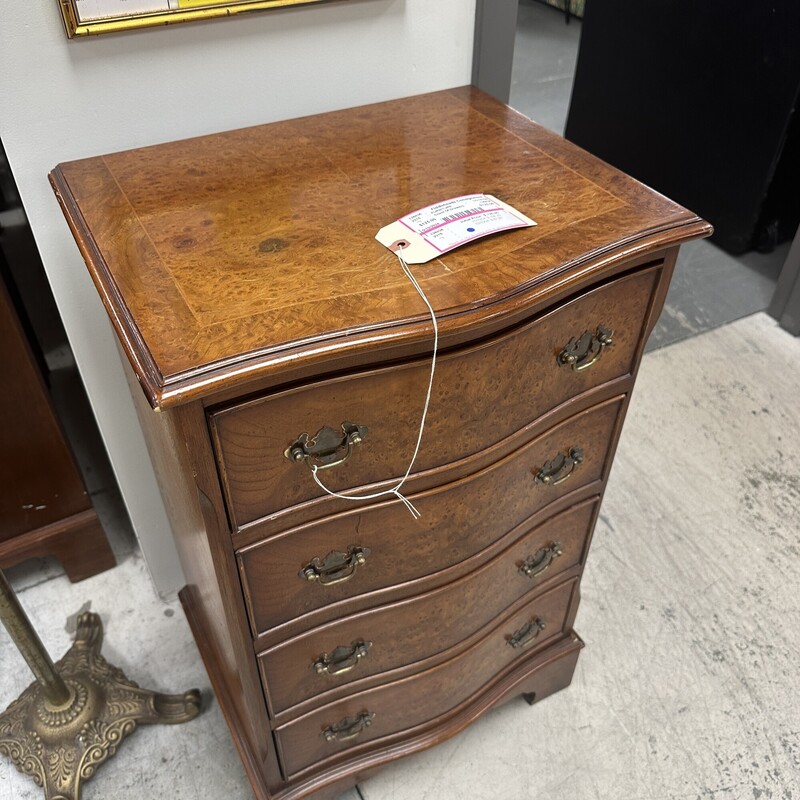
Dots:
{"x": 535, "y": 565}
{"x": 584, "y": 351}
{"x": 348, "y": 728}
{"x": 336, "y": 567}
{"x": 558, "y": 469}
{"x": 527, "y": 634}
{"x": 328, "y": 448}
{"x": 342, "y": 659}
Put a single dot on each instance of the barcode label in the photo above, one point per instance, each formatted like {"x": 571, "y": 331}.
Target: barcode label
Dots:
{"x": 454, "y": 222}
{"x": 462, "y": 214}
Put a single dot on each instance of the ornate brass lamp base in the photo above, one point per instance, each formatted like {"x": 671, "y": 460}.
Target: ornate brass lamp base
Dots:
{"x": 60, "y": 746}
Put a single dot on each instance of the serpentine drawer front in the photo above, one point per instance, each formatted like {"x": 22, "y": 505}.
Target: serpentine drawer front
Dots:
{"x": 492, "y": 390}
{"x": 273, "y": 335}
{"x": 458, "y": 520}
{"x": 372, "y": 642}
{"x": 405, "y": 704}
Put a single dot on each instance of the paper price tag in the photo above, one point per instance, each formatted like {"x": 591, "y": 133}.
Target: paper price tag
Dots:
{"x": 441, "y": 227}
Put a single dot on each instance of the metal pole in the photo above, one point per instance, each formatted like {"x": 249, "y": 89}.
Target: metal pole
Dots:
{"x": 30, "y": 646}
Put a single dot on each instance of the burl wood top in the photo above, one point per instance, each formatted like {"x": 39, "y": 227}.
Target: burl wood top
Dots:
{"x": 224, "y": 258}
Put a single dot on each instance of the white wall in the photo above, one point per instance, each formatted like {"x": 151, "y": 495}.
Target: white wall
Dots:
{"x": 61, "y": 100}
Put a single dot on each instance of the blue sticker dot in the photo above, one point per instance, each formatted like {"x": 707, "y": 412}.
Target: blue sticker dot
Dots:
{"x": 471, "y": 230}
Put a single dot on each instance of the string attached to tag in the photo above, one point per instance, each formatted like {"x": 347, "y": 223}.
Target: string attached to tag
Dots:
{"x": 395, "y": 490}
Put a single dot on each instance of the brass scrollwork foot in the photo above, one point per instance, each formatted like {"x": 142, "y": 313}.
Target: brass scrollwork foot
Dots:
{"x": 60, "y": 747}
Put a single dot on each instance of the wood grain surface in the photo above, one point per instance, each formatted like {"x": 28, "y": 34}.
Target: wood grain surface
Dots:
{"x": 227, "y": 257}
{"x": 45, "y": 509}
{"x": 411, "y": 631}
{"x": 458, "y": 520}
{"x": 39, "y": 478}
{"x": 481, "y": 395}
{"x": 429, "y": 695}
{"x": 241, "y": 273}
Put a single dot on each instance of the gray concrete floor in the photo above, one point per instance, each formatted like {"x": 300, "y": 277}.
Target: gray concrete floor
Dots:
{"x": 688, "y": 686}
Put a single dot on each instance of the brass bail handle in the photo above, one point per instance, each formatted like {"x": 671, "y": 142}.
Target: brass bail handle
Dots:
{"x": 348, "y": 728}
{"x": 583, "y": 351}
{"x": 30, "y": 646}
{"x": 342, "y": 659}
{"x": 336, "y": 567}
{"x": 328, "y": 448}
{"x": 559, "y": 468}
{"x": 540, "y": 561}
{"x": 527, "y": 634}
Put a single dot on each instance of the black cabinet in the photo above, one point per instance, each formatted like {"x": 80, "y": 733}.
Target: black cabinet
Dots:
{"x": 698, "y": 100}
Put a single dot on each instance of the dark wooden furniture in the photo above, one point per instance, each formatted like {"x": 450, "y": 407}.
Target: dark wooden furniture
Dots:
{"x": 244, "y": 282}
{"x": 44, "y": 507}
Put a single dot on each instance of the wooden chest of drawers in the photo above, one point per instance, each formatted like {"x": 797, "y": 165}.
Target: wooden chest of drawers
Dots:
{"x": 254, "y": 305}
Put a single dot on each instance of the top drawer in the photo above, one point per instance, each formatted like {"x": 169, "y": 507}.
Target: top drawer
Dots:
{"x": 481, "y": 395}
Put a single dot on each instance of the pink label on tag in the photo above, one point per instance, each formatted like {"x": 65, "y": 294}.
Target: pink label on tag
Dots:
{"x": 455, "y": 222}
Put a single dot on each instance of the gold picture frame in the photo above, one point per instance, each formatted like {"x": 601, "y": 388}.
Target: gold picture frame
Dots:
{"x": 90, "y": 17}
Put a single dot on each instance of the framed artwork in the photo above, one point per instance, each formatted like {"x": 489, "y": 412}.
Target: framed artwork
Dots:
{"x": 87, "y": 17}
